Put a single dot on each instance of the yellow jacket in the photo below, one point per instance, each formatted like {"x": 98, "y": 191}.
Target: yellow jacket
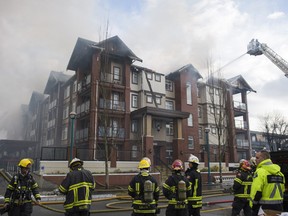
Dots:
{"x": 268, "y": 184}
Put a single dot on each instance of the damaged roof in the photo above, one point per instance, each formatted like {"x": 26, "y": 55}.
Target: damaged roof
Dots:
{"x": 84, "y": 49}
{"x": 238, "y": 82}
{"x": 187, "y": 68}
{"x": 54, "y": 79}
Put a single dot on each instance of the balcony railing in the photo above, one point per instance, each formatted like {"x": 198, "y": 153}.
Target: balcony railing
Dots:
{"x": 242, "y": 143}
{"x": 239, "y": 124}
{"x": 239, "y": 105}
{"x": 108, "y": 77}
{"x": 113, "y": 105}
{"x": 115, "y": 132}
{"x": 82, "y": 134}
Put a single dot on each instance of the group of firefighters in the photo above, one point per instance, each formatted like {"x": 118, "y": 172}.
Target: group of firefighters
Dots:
{"x": 258, "y": 186}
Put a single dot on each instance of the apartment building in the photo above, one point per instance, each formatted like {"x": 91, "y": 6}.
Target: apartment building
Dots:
{"x": 127, "y": 111}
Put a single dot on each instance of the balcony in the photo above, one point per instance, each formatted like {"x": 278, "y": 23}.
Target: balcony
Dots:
{"x": 110, "y": 132}
{"x": 111, "y": 78}
{"x": 242, "y": 144}
{"x": 239, "y": 124}
{"x": 112, "y": 105}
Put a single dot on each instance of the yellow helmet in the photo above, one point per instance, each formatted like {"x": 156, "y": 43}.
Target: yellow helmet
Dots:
{"x": 143, "y": 164}
{"x": 25, "y": 163}
{"x": 147, "y": 159}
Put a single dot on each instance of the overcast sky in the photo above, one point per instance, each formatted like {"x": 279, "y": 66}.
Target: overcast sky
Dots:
{"x": 39, "y": 36}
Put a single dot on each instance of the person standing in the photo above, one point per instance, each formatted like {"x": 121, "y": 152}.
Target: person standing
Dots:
{"x": 177, "y": 189}
{"x": 242, "y": 187}
{"x": 144, "y": 190}
{"x": 18, "y": 196}
{"x": 77, "y": 186}
{"x": 268, "y": 185}
{"x": 194, "y": 176}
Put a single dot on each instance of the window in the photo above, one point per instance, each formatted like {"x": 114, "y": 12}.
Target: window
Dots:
{"x": 169, "y": 105}
{"x": 115, "y": 98}
{"x": 134, "y": 101}
{"x": 149, "y": 75}
{"x": 116, "y": 73}
{"x": 211, "y": 90}
{"x": 190, "y": 142}
{"x": 135, "y": 78}
{"x": 169, "y": 85}
{"x": 169, "y": 128}
{"x": 158, "y": 77}
{"x": 134, "y": 151}
{"x": 65, "y": 112}
{"x": 217, "y": 91}
{"x": 64, "y": 132}
{"x": 67, "y": 92}
{"x": 134, "y": 126}
{"x": 158, "y": 100}
{"x": 212, "y": 110}
{"x": 199, "y": 112}
{"x": 198, "y": 91}
{"x": 149, "y": 99}
{"x": 200, "y": 132}
{"x": 190, "y": 120}
{"x": 253, "y": 138}
{"x": 75, "y": 86}
{"x": 188, "y": 93}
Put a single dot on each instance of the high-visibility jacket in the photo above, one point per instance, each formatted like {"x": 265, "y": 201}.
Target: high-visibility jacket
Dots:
{"x": 20, "y": 189}
{"x": 268, "y": 184}
{"x": 77, "y": 186}
{"x": 136, "y": 191}
{"x": 242, "y": 184}
{"x": 170, "y": 190}
{"x": 194, "y": 176}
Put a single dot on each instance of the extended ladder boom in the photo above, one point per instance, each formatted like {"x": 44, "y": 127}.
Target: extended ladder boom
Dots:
{"x": 257, "y": 48}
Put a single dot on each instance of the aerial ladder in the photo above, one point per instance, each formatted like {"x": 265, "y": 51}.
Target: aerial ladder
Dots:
{"x": 256, "y": 48}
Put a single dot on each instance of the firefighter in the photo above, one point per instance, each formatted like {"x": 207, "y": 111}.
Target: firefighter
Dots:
{"x": 18, "y": 196}
{"x": 242, "y": 187}
{"x": 177, "y": 189}
{"x": 144, "y": 190}
{"x": 268, "y": 185}
{"x": 77, "y": 186}
{"x": 194, "y": 176}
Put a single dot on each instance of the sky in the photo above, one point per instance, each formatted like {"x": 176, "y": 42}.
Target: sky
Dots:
{"x": 38, "y": 37}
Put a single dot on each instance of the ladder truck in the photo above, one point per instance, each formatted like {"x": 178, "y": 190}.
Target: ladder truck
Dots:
{"x": 256, "y": 48}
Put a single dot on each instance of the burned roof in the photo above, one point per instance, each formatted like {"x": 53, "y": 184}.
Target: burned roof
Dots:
{"x": 54, "y": 79}
{"x": 187, "y": 68}
{"x": 84, "y": 49}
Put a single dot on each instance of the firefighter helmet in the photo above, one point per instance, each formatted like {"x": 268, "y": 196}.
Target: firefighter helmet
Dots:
{"x": 253, "y": 161}
{"x": 177, "y": 165}
{"x": 75, "y": 161}
{"x": 25, "y": 163}
{"x": 143, "y": 164}
{"x": 244, "y": 164}
{"x": 193, "y": 159}
{"x": 147, "y": 159}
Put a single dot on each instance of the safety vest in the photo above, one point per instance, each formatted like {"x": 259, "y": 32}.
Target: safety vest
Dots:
{"x": 269, "y": 181}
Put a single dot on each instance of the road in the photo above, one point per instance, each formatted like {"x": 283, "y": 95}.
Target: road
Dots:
{"x": 219, "y": 205}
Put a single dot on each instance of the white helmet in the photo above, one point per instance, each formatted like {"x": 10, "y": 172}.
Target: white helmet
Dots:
{"x": 193, "y": 159}
{"x": 75, "y": 161}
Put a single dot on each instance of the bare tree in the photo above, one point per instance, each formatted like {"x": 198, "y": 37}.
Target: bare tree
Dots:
{"x": 276, "y": 130}
{"x": 218, "y": 92}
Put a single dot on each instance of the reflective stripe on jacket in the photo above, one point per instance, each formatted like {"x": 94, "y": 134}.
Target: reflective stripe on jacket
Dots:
{"x": 77, "y": 186}
{"x": 268, "y": 184}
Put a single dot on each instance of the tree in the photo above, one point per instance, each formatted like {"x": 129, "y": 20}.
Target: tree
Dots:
{"x": 275, "y": 128}
{"x": 218, "y": 92}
